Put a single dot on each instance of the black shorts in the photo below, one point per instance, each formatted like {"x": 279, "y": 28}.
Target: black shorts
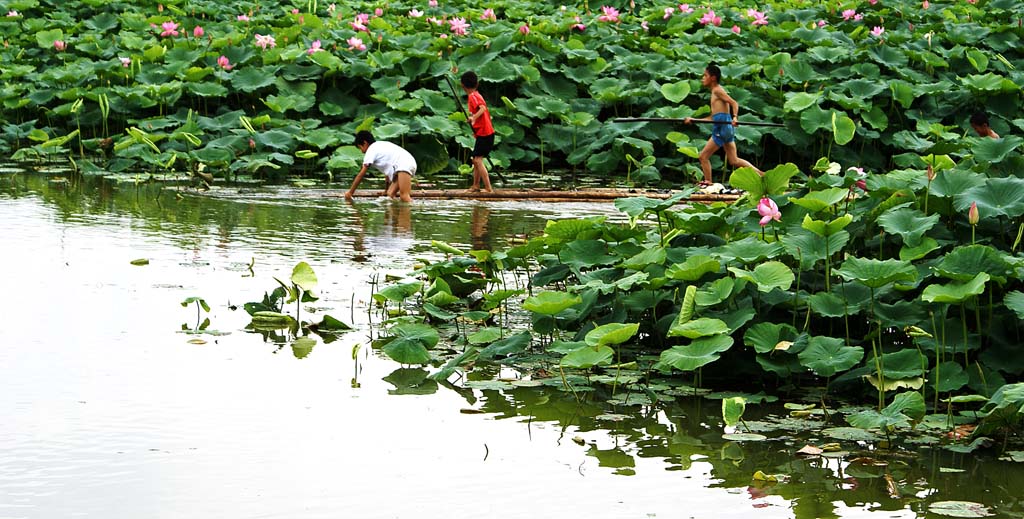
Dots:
{"x": 483, "y": 146}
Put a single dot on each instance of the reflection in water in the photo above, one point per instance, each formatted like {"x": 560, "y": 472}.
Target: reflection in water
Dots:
{"x": 107, "y": 406}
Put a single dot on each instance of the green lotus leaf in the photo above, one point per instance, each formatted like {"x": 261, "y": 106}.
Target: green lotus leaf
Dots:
{"x": 693, "y": 268}
{"x": 697, "y": 328}
{"x": 902, "y": 92}
{"x": 809, "y": 248}
{"x": 102, "y": 22}
{"x": 1015, "y": 301}
{"x": 820, "y": 200}
{"x": 798, "y": 71}
{"x": 484, "y": 336}
{"x": 766, "y": 337}
{"x": 927, "y": 245}
{"x": 251, "y": 79}
{"x": 910, "y": 224}
{"x": 959, "y": 509}
{"x": 800, "y": 101}
{"x": 894, "y": 59}
{"x": 675, "y": 92}
{"x": 909, "y": 403}
{"x": 717, "y": 291}
{"x": 995, "y": 151}
{"x": 748, "y": 250}
{"x": 276, "y": 139}
{"x": 581, "y": 254}
{"x": 732, "y": 410}
{"x": 564, "y": 347}
{"x": 767, "y": 276}
{"x": 207, "y": 89}
{"x": 814, "y": 119}
{"x": 826, "y": 356}
{"x": 46, "y": 38}
{"x": 955, "y": 292}
{"x": 903, "y": 364}
{"x": 407, "y": 351}
{"x": 588, "y": 357}
{"x": 696, "y": 354}
{"x": 304, "y": 277}
{"x": 828, "y": 305}
{"x": 302, "y": 347}
{"x": 843, "y": 128}
{"x": 611, "y": 334}
{"x": 645, "y": 258}
{"x": 437, "y": 312}
{"x": 399, "y": 292}
{"x": 965, "y": 262}
{"x": 978, "y": 59}
{"x": 566, "y": 230}
{"x": 997, "y": 197}
{"x": 989, "y": 83}
{"x": 321, "y": 138}
{"x": 954, "y": 183}
{"x": 774, "y": 181}
{"x": 551, "y": 302}
{"x": 507, "y": 346}
{"x": 950, "y": 376}
{"x": 495, "y": 298}
{"x": 636, "y": 206}
{"x": 876, "y": 273}
{"x": 1004, "y": 408}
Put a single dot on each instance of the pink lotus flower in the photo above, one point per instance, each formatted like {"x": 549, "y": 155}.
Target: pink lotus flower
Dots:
{"x": 768, "y": 210}
{"x": 862, "y": 184}
{"x": 223, "y": 63}
{"x": 415, "y": 13}
{"x": 169, "y": 29}
{"x": 848, "y": 14}
{"x": 877, "y": 31}
{"x": 643, "y": 25}
{"x": 264, "y": 41}
{"x": 759, "y": 18}
{"x": 685, "y": 8}
{"x": 432, "y": 3}
{"x": 488, "y": 15}
{"x": 363, "y": 18}
{"x": 579, "y": 26}
{"x": 709, "y": 17}
{"x": 524, "y": 29}
{"x": 822, "y": 23}
{"x": 360, "y": 22}
{"x": 458, "y": 26}
{"x": 925, "y": 4}
{"x": 443, "y": 36}
{"x": 198, "y": 32}
{"x": 872, "y": 2}
{"x": 60, "y": 45}
{"x": 315, "y": 47}
{"x": 736, "y": 29}
{"x": 378, "y": 12}
{"x": 669, "y": 11}
{"x": 243, "y": 18}
{"x": 295, "y": 11}
{"x": 331, "y": 8}
{"x": 435, "y": 20}
{"x": 972, "y": 214}
{"x": 354, "y": 43}
{"x": 609, "y": 14}
{"x": 126, "y": 62}
{"x": 12, "y": 13}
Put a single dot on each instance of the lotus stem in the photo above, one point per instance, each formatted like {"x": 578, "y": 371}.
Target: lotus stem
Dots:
{"x": 963, "y": 323}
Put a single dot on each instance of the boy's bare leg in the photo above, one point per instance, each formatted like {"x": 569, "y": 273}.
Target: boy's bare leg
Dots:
{"x": 485, "y": 179}
{"x": 735, "y": 161}
{"x": 705, "y": 158}
{"x": 403, "y": 183}
{"x": 391, "y": 189}
{"x": 476, "y": 179}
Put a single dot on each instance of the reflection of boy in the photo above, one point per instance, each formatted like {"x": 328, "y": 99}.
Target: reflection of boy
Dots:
{"x": 397, "y": 165}
{"x": 723, "y": 132}
{"x": 480, "y": 120}
{"x": 979, "y": 121}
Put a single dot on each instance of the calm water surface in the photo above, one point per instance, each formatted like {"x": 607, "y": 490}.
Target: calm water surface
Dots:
{"x": 108, "y": 409}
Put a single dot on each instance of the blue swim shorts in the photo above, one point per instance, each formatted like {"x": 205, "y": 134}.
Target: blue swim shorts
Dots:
{"x": 722, "y": 131}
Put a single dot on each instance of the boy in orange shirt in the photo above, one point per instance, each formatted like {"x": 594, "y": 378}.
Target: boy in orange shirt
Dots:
{"x": 480, "y": 120}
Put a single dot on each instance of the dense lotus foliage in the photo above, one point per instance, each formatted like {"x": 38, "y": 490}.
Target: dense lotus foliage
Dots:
{"x": 266, "y": 86}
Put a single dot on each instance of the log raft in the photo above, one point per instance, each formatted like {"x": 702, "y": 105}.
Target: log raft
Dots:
{"x": 552, "y": 195}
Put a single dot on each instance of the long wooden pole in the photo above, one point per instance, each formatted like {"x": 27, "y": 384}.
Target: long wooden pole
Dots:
{"x": 680, "y": 120}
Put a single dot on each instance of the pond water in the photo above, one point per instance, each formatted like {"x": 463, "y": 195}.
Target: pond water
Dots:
{"x": 112, "y": 404}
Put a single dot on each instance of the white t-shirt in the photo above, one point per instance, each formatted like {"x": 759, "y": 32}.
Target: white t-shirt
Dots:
{"x": 389, "y": 159}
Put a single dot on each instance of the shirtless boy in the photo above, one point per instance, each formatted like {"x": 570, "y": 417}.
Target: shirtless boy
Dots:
{"x": 724, "y": 113}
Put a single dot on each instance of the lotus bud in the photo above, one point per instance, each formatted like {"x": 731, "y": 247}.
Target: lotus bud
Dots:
{"x": 972, "y": 214}
{"x": 378, "y": 12}
{"x": 524, "y": 29}
{"x": 197, "y": 32}
{"x": 60, "y": 45}
{"x": 931, "y": 173}
{"x": 252, "y": 144}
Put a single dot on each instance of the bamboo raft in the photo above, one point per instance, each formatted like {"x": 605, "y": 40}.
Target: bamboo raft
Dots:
{"x": 551, "y": 195}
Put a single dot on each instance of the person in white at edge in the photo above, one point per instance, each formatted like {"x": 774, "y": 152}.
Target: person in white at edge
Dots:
{"x": 397, "y": 165}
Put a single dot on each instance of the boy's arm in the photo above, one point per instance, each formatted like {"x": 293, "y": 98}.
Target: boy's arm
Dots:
{"x": 734, "y": 107}
{"x": 474, "y": 116}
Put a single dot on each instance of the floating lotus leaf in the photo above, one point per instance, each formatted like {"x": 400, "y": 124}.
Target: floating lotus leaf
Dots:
{"x": 955, "y": 292}
{"x": 551, "y": 302}
{"x": 636, "y": 206}
{"x": 910, "y": 224}
{"x": 959, "y": 509}
{"x": 484, "y": 336}
{"x": 411, "y": 343}
{"x": 767, "y": 276}
{"x": 696, "y": 354}
{"x": 826, "y": 356}
{"x": 507, "y": 346}
{"x": 876, "y": 273}
{"x": 611, "y": 334}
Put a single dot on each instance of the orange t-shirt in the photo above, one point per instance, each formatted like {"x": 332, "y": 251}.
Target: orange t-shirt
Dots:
{"x": 482, "y": 126}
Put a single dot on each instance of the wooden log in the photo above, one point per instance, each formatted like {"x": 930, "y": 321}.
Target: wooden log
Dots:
{"x": 548, "y": 195}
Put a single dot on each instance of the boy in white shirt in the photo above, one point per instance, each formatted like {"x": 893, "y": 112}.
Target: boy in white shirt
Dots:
{"x": 397, "y": 165}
